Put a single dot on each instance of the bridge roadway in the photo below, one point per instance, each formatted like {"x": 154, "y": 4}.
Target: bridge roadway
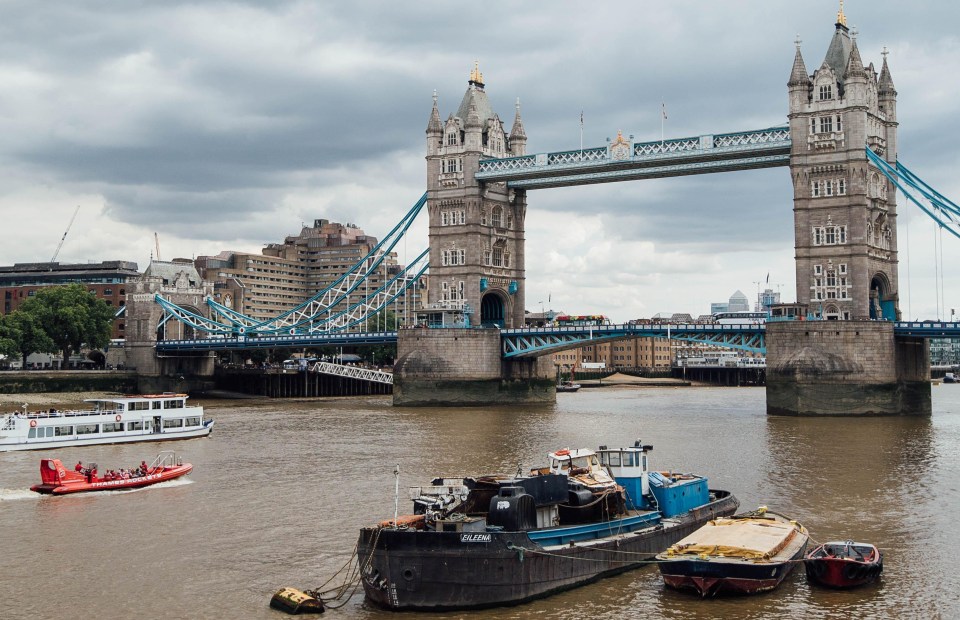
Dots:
{"x": 537, "y": 341}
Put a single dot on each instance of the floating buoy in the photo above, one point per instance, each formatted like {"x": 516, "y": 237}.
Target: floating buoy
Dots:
{"x": 295, "y": 601}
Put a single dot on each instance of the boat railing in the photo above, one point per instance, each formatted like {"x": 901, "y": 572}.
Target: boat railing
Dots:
{"x": 9, "y": 422}
{"x": 167, "y": 458}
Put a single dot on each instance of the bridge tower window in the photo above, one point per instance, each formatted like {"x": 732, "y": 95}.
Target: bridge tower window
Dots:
{"x": 497, "y": 217}
{"x": 826, "y": 124}
{"x": 826, "y": 92}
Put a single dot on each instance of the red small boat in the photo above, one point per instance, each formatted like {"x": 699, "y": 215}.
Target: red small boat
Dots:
{"x": 840, "y": 564}
{"x": 59, "y": 480}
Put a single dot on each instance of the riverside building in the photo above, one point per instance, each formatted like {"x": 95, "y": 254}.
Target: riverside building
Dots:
{"x": 106, "y": 280}
{"x": 284, "y": 275}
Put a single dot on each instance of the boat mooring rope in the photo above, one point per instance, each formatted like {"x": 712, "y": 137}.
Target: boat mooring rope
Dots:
{"x": 343, "y": 592}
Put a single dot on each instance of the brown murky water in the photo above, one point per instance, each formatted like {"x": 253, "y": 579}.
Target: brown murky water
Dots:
{"x": 280, "y": 488}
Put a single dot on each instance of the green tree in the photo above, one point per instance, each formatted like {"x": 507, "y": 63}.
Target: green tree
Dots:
{"x": 8, "y": 343}
{"x": 27, "y": 334}
{"x": 72, "y": 318}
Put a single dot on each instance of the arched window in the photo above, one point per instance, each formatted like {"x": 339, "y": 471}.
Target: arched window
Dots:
{"x": 497, "y": 219}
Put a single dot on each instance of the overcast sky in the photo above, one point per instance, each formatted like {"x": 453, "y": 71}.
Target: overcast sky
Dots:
{"x": 225, "y": 125}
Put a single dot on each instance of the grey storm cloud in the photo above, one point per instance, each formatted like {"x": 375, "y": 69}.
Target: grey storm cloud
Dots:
{"x": 231, "y": 122}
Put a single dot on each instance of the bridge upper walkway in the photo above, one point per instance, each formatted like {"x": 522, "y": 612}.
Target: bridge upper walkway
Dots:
{"x": 624, "y": 160}
{"x": 536, "y": 341}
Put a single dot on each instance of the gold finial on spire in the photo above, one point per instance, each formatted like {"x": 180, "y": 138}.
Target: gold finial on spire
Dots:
{"x": 475, "y": 75}
{"x": 841, "y": 18}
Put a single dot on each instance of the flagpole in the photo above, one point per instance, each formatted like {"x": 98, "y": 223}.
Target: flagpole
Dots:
{"x": 581, "y": 135}
{"x": 663, "y": 117}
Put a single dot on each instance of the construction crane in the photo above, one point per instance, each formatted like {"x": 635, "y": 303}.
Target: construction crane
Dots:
{"x": 64, "y": 237}
{"x": 156, "y": 240}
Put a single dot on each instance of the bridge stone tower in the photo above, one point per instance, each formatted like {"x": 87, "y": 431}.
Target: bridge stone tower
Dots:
{"x": 476, "y": 229}
{"x": 179, "y": 282}
{"x": 476, "y": 264}
{"x": 845, "y": 225}
{"x": 845, "y": 213}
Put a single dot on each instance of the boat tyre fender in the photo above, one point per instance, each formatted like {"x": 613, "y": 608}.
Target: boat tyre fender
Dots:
{"x": 814, "y": 569}
{"x": 853, "y": 572}
{"x": 33, "y": 423}
{"x": 119, "y": 417}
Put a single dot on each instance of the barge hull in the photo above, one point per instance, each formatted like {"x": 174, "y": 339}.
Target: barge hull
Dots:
{"x": 434, "y": 571}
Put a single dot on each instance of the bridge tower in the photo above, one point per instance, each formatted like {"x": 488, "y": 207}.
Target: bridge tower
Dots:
{"x": 845, "y": 212}
{"x": 845, "y": 227}
{"x": 476, "y": 264}
{"x": 476, "y": 228}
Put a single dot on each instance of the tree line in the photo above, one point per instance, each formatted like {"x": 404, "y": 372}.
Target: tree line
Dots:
{"x": 58, "y": 319}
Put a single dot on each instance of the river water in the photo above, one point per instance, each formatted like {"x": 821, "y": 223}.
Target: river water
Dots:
{"x": 280, "y": 488}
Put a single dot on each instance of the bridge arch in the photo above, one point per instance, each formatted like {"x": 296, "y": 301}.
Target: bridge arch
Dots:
{"x": 882, "y": 302}
{"x": 493, "y": 309}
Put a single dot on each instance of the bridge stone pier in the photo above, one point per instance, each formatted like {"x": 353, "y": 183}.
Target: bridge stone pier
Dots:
{"x": 179, "y": 282}
{"x": 445, "y": 367}
{"x": 845, "y": 368}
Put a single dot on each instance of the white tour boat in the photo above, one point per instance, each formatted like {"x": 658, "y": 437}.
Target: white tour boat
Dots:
{"x": 123, "y": 419}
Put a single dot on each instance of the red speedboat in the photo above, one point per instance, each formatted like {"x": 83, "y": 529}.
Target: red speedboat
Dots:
{"x": 841, "y": 564}
{"x": 59, "y": 480}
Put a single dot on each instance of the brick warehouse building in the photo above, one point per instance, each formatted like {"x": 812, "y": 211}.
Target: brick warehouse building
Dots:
{"x": 107, "y": 280}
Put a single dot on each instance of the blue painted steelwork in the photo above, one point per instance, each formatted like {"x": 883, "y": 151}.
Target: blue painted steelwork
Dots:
{"x": 927, "y": 329}
{"x": 943, "y": 211}
{"x": 746, "y": 150}
{"x": 537, "y": 341}
{"x": 268, "y": 342}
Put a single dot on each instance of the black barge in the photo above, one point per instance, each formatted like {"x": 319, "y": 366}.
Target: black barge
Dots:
{"x": 489, "y": 541}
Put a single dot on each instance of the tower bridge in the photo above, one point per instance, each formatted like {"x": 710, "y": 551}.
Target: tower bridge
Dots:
{"x": 840, "y": 145}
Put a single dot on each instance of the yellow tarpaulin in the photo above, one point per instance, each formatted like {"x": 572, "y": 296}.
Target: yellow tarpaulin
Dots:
{"x": 751, "y": 538}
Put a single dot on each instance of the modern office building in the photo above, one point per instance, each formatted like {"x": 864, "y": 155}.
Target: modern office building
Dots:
{"x": 107, "y": 280}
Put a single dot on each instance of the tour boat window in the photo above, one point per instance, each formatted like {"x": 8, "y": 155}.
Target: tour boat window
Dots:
{"x": 120, "y": 406}
{"x": 32, "y": 434}
{"x": 113, "y": 427}
{"x": 193, "y": 421}
{"x": 87, "y": 429}
{"x": 135, "y": 426}
{"x": 173, "y": 404}
{"x": 156, "y": 404}
{"x": 49, "y": 431}
{"x": 62, "y": 431}
{"x": 173, "y": 423}
{"x": 139, "y": 406}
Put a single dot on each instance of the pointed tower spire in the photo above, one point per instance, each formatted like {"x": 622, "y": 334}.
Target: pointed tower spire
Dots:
{"x": 854, "y": 63}
{"x": 517, "y": 131}
{"x": 434, "y": 126}
{"x": 518, "y": 137}
{"x": 886, "y": 82}
{"x": 798, "y": 75}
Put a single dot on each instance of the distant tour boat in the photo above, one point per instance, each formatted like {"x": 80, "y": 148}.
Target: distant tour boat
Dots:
{"x": 59, "y": 480}
{"x": 122, "y": 419}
